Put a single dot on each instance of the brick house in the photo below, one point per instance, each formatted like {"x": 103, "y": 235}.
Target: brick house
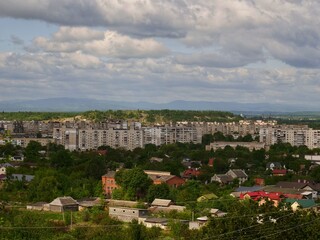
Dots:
{"x": 159, "y": 177}
{"x": 109, "y": 183}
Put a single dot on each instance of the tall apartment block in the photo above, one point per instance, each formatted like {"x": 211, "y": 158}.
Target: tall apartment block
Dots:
{"x": 296, "y": 135}
{"x": 77, "y": 138}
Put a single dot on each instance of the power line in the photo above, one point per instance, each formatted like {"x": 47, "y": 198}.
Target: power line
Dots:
{"x": 242, "y": 229}
{"x": 288, "y": 229}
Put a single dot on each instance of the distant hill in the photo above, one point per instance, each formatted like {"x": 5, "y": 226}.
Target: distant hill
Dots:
{"x": 84, "y": 104}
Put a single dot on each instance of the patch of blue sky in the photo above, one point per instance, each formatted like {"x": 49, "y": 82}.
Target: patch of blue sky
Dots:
{"x": 26, "y": 30}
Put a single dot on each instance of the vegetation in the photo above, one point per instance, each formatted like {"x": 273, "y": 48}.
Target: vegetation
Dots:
{"x": 144, "y": 116}
{"x": 59, "y": 172}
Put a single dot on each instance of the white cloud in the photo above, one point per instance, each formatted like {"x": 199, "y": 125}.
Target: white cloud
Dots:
{"x": 129, "y": 48}
{"x": 156, "y": 80}
{"x": 103, "y": 44}
{"x": 250, "y": 30}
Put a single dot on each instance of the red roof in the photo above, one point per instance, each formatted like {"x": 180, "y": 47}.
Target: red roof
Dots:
{"x": 294, "y": 196}
{"x": 210, "y": 163}
{"x": 261, "y": 194}
{"x": 191, "y": 172}
{"x": 102, "y": 152}
{"x": 279, "y": 171}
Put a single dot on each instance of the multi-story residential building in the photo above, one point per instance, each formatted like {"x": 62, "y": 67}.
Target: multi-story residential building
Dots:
{"x": 250, "y": 145}
{"x": 159, "y": 135}
{"x": 296, "y": 135}
{"x": 23, "y": 142}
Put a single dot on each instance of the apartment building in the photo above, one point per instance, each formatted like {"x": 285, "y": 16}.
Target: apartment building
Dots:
{"x": 296, "y": 135}
{"x": 250, "y": 145}
{"x": 241, "y": 128}
{"x": 159, "y": 135}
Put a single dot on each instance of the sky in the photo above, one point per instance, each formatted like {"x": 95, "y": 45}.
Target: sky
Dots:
{"x": 159, "y": 51}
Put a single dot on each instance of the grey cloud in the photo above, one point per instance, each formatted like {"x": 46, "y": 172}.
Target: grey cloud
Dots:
{"x": 217, "y": 59}
{"x": 244, "y": 31}
{"x": 161, "y": 80}
{"x": 143, "y": 18}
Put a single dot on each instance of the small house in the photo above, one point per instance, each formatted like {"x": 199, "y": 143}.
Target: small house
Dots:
{"x": 62, "y": 204}
{"x": 156, "y": 222}
{"x": 127, "y": 214}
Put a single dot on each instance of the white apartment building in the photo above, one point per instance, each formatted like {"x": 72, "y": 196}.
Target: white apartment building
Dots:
{"x": 296, "y": 135}
{"x": 86, "y": 139}
{"x": 128, "y": 138}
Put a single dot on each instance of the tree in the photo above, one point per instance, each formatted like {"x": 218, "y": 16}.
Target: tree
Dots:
{"x": 218, "y": 136}
{"x": 158, "y": 191}
{"x": 135, "y": 182}
{"x": 207, "y": 139}
{"x": 315, "y": 174}
{"x": 61, "y": 159}
{"x": 32, "y": 151}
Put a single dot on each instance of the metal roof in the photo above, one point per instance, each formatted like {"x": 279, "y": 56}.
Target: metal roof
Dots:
{"x": 161, "y": 202}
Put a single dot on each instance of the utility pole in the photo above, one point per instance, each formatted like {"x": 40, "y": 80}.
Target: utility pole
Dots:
{"x": 71, "y": 221}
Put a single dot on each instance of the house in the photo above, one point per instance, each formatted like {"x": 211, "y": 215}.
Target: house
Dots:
{"x": 259, "y": 181}
{"x": 155, "y": 222}
{"x": 297, "y": 204}
{"x": 238, "y": 174}
{"x": 123, "y": 203}
{"x": 279, "y": 172}
{"x": 17, "y": 158}
{"x": 39, "y": 206}
{"x": 62, "y": 204}
{"x": 207, "y": 197}
{"x": 127, "y": 214}
{"x": 217, "y": 213}
{"x": 109, "y": 183}
{"x": 243, "y": 189}
{"x": 223, "y": 179}
{"x": 199, "y": 223}
{"x": 165, "y": 205}
{"x": 309, "y": 190}
{"x": 313, "y": 158}
{"x": 21, "y": 177}
{"x": 186, "y": 162}
{"x": 102, "y": 152}
{"x": 273, "y": 165}
{"x": 211, "y": 161}
{"x": 3, "y": 167}
{"x": 159, "y": 177}
{"x": 3, "y": 177}
{"x": 230, "y": 176}
{"x": 88, "y": 203}
{"x": 262, "y": 197}
{"x": 161, "y": 202}
{"x": 156, "y": 159}
{"x": 191, "y": 173}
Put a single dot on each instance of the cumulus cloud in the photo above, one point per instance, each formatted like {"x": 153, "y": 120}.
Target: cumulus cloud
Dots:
{"x": 166, "y": 50}
{"x": 103, "y": 44}
{"x": 249, "y": 30}
{"x": 162, "y": 80}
